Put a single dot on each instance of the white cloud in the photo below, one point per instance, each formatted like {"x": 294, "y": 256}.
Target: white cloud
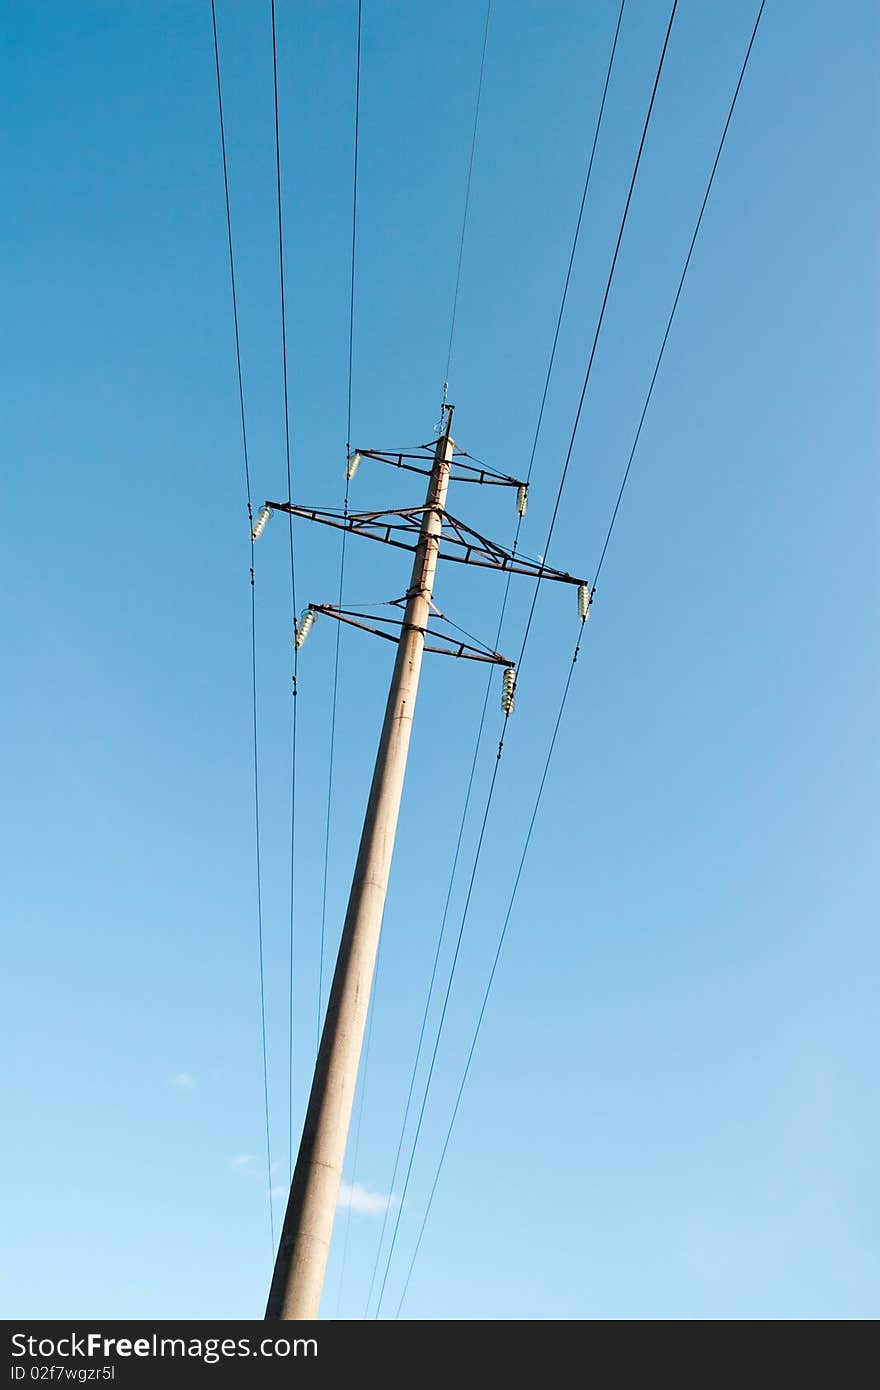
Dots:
{"x": 360, "y": 1199}
{"x": 281, "y": 1191}
{"x": 184, "y": 1081}
{"x": 241, "y": 1160}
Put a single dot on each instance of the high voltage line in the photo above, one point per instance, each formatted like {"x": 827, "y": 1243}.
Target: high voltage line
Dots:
{"x": 678, "y": 291}
{"x": 505, "y": 596}
{"x": 592, "y": 357}
{"x": 292, "y": 581}
{"x": 354, "y": 198}
{"x": 488, "y": 988}
{"x": 357, "y": 1133}
{"x": 571, "y": 669}
{"x": 287, "y": 441}
{"x": 462, "y": 236}
{"x": 250, "y": 512}
{"x": 574, "y": 244}
{"x": 334, "y": 696}
{"x": 285, "y": 1296}
{"x": 467, "y": 196}
{"x": 491, "y": 791}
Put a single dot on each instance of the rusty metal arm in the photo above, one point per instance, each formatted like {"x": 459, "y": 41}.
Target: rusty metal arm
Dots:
{"x": 468, "y": 547}
{"x": 462, "y": 472}
{"x": 454, "y": 647}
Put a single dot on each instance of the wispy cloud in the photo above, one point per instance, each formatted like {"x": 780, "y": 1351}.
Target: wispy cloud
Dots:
{"x": 360, "y": 1199}
{"x": 184, "y": 1081}
{"x": 241, "y": 1160}
{"x": 280, "y": 1191}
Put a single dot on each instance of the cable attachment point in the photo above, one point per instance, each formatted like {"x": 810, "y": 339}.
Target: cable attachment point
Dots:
{"x": 259, "y": 525}
{"x": 443, "y": 407}
{"x": 354, "y": 463}
{"x": 507, "y": 689}
{"x": 585, "y": 599}
{"x": 302, "y": 629}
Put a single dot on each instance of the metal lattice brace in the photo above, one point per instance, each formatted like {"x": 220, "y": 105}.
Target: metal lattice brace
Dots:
{"x": 453, "y": 646}
{"x": 469, "y": 546}
{"x": 461, "y": 472}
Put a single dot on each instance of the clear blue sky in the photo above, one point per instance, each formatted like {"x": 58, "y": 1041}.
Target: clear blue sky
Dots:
{"x": 673, "y": 1109}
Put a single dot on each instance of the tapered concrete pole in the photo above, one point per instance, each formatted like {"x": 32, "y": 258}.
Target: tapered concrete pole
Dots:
{"x": 311, "y": 1208}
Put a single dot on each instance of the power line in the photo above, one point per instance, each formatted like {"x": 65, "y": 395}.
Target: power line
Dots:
{"x": 568, "y": 681}
{"x": 292, "y": 590}
{"x": 677, "y": 296}
{"x": 505, "y": 596}
{"x": 467, "y": 191}
{"x": 260, "y": 904}
{"x": 360, "y": 1120}
{"x": 592, "y": 357}
{"x": 247, "y": 470}
{"x": 468, "y": 183}
{"x": 430, "y": 992}
{"x": 574, "y": 243}
{"x": 335, "y": 694}
{"x": 565, "y": 467}
{"x": 433, "y": 1062}
{"x": 354, "y": 195}
{"x": 247, "y": 476}
{"x": 496, "y": 958}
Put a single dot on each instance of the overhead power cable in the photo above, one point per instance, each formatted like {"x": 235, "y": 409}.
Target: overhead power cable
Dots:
{"x": 335, "y": 694}
{"x": 292, "y": 594}
{"x": 489, "y": 683}
{"x": 592, "y": 357}
{"x": 537, "y": 585}
{"x": 467, "y": 194}
{"x": 684, "y": 272}
{"x": 333, "y": 702}
{"x": 574, "y": 244}
{"x": 360, "y": 1121}
{"x": 250, "y": 512}
{"x": 446, "y": 997}
{"x": 471, "y": 1050}
{"x": 568, "y": 681}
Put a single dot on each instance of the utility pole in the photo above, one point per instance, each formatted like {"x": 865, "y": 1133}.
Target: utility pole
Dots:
{"x": 304, "y": 1246}
{"x": 311, "y": 1209}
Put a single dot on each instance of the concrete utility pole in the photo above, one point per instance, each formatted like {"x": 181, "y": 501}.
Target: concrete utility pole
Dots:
{"x": 304, "y": 1247}
{"x": 311, "y": 1208}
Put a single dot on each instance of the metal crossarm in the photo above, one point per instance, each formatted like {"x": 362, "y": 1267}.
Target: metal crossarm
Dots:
{"x": 452, "y": 647}
{"x": 461, "y": 472}
{"x": 468, "y": 547}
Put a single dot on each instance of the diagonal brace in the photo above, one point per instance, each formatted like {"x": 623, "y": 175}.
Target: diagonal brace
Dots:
{"x": 452, "y": 647}
{"x": 464, "y": 545}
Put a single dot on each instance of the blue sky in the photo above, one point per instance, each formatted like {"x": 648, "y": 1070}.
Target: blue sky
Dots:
{"x": 672, "y": 1111}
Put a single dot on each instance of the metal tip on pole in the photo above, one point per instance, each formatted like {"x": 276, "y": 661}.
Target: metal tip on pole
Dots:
{"x": 446, "y": 412}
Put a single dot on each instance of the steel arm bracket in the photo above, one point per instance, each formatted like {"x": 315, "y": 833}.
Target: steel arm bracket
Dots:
{"x": 421, "y": 462}
{"x": 458, "y": 542}
{"x": 451, "y": 647}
